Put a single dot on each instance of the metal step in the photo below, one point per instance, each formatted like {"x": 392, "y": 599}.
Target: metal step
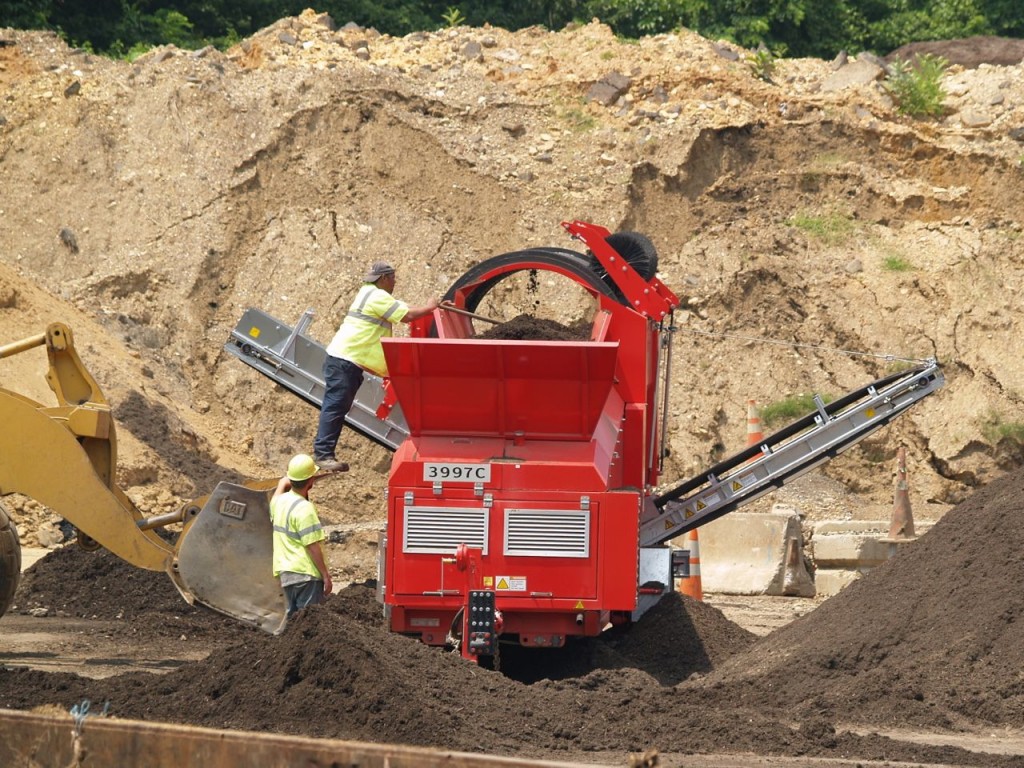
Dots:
{"x": 786, "y": 454}
{"x": 296, "y": 362}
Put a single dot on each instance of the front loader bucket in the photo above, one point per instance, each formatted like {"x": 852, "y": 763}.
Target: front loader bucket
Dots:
{"x": 224, "y": 558}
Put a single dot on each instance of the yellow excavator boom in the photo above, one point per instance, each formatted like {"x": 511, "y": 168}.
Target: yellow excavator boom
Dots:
{"x": 65, "y": 457}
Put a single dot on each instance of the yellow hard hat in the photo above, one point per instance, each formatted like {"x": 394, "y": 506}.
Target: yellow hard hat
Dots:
{"x": 302, "y": 467}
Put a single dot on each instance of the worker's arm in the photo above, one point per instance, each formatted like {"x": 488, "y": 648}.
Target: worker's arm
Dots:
{"x": 316, "y": 553}
{"x": 415, "y": 313}
{"x": 283, "y": 486}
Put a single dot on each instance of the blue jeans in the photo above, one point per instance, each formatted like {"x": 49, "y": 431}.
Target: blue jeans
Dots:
{"x": 298, "y": 596}
{"x": 342, "y": 380}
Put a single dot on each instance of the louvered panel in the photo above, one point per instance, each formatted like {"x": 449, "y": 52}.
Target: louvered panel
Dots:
{"x": 547, "y": 533}
{"x": 440, "y": 530}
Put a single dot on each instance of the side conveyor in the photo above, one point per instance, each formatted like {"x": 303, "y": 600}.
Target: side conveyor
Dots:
{"x": 786, "y": 454}
{"x": 296, "y": 362}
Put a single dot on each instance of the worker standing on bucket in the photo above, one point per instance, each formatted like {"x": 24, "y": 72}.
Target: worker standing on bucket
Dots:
{"x": 356, "y": 348}
{"x": 299, "y": 560}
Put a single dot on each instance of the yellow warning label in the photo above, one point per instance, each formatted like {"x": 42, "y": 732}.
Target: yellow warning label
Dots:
{"x": 254, "y": 332}
{"x": 510, "y": 583}
{"x": 488, "y": 582}
{"x": 870, "y": 413}
{"x": 737, "y": 486}
{"x": 689, "y": 513}
{"x": 669, "y": 524}
{"x": 700, "y": 505}
{"x": 578, "y": 606}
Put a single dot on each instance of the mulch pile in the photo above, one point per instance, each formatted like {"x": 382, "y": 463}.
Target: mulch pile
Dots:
{"x": 97, "y": 585}
{"x": 933, "y": 638}
{"x": 530, "y": 328}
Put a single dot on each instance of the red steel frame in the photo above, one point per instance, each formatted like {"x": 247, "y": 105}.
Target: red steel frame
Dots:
{"x": 565, "y": 430}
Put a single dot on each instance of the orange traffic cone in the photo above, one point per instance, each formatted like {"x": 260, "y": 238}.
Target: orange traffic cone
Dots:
{"x": 690, "y": 585}
{"x": 902, "y": 524}
{"x": 754, "y": 433}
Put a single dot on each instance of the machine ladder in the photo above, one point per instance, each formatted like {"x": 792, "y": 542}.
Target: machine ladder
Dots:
{"x": 786, "y": 454}
{"x": 296, "y": 362}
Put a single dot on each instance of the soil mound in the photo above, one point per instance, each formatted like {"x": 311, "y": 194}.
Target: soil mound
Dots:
{"x": 98, "y": 585}
{"x": 873, "y": 654}
{"x": 933, "y": 638}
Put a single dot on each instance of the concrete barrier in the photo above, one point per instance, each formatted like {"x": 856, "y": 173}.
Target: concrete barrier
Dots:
{"x": 745, "y": 553}
{"x": 843, "y": 551}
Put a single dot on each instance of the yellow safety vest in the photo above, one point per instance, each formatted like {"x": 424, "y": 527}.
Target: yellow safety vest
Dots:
{"x": 296, "y": 526}
{"x": 369, "y": 319}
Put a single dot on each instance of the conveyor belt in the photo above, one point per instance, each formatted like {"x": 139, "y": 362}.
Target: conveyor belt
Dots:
{"x": 786, "y": 454}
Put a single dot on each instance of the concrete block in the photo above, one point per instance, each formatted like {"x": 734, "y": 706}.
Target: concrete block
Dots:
{"x": 832, "y": 582}
{"x": 744, "y": 553}
{"x": 850, "y": 550}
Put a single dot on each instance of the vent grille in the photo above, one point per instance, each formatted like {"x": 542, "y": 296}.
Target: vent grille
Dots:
{"x": 440, "y": 530}
{"x": 547, "y": 533}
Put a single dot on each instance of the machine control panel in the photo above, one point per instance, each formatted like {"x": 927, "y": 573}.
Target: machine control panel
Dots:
{"x": 481, "y": 633}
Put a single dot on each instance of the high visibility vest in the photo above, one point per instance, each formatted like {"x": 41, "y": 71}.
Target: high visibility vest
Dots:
{"x": 369, "y": 319}
{"x": 296, "y": 526}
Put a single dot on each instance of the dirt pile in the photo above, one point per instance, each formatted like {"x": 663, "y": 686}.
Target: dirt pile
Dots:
{"x": 932, "y": 639}
{"x": 855, "y": 660}
{"x": 97, "y": 585}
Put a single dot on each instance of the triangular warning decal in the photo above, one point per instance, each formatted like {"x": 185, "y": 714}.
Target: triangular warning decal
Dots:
{"x": 737, "y": 486}
{"x": 502, "y": 584}
{"x": 700, "y": 505}
{"x": 578, "y": 606}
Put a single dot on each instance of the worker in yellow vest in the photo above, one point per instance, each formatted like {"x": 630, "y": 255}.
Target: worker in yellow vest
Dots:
{"x": 356, "y": 348}
{"x": 299, "y": 560}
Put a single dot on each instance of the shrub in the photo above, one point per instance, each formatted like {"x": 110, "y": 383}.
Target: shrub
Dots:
{"x": 790, "y": 409}
{"x": 917, "y": 88}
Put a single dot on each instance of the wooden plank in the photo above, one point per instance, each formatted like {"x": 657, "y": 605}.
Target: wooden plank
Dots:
{"x": 39, "y": 740}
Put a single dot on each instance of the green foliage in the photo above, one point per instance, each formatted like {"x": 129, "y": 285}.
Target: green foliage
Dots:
{"x": 453, "y": 17}
{"x": 578, "y": 119}
{"x": 762, "y": 63}
{"x": 905, "y": 22}
{"x": 830, "y": 228}
{"x": 635, "y": 18}
{"x": 896, "y": 264}
{"x": 917, "y": 88}
{"x": 790, "y": 409}
{"x": 787, "y": 27}
{"x": 995, "y": 428}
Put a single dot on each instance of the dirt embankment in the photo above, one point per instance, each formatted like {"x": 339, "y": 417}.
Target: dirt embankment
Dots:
{"x": 802, "y": 220}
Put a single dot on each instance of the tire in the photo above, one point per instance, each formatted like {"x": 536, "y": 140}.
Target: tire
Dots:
{"x": 479, "y": 280}
{"x": 10, "y": 560}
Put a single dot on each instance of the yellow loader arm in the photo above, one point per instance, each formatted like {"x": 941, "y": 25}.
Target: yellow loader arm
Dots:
{"x": 65, "y": 458}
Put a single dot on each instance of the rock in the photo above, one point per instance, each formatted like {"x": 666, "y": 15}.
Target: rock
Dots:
{"x": 972, "y": 119}
{"x": 861, "y": 72}
{"x": 725, "y": 52}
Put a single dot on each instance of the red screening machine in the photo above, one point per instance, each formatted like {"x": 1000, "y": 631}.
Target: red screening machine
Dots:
{"x": 523, "y": 500}
{"x": 514, "y": 505}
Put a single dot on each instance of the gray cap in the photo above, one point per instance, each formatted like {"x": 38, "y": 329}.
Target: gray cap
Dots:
{"x": 377, "y": 271}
